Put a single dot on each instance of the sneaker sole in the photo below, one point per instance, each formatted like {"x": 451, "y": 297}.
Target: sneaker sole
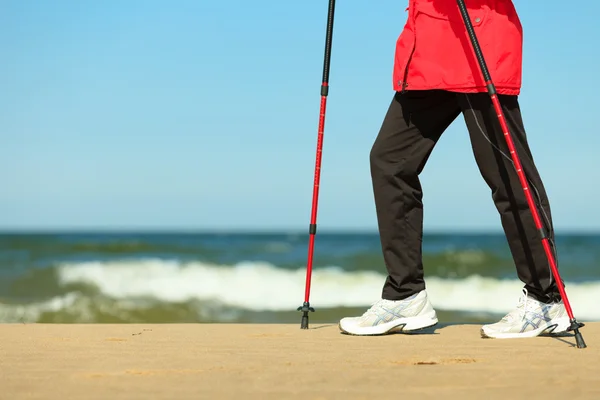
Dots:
{"x": 556, "y": 326}
{"x": 401, "y": 325}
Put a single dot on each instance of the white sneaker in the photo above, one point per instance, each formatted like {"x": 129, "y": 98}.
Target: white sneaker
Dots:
{"x": 387, "y": 316}
{"x": 531, "y": 318}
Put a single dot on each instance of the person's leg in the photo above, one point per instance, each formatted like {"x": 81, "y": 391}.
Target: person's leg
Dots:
{"x": 524, "y": 240}
{"x": 412, "y": 126}
{"x": 496, "y": 166}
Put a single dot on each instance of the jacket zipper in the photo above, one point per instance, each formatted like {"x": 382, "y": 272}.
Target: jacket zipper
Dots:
{"x": 404, "y": 83}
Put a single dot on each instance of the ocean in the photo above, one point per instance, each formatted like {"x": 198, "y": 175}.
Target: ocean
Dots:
{"x": 260, "y": 277}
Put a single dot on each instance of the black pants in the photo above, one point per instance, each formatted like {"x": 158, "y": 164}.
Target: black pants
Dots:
{"x": 412, "y": 126}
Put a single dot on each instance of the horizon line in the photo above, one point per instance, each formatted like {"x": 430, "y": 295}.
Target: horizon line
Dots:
{"x": 258, "y": 230}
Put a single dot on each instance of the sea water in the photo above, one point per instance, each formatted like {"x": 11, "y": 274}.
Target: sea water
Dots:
{"x": 260, "y": 277}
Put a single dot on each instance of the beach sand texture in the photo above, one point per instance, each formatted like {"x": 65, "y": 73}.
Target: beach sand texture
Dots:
{"x": 275, "y": 361}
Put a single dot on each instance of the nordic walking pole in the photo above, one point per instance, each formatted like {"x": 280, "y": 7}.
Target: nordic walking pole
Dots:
{"x": 515, "y": 158}
{"x": 305, "y": 308}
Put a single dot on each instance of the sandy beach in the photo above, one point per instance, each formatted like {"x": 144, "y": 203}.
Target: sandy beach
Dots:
{"x": 274, "y": 361}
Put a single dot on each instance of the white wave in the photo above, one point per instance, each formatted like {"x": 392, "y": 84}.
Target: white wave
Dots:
{"x": 31, "y": 312}
{"x": 77, "y": 307}
{"x": 261, "y": 286}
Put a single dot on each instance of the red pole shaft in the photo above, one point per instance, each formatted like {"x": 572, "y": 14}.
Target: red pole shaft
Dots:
{"x": 315, "y": 199}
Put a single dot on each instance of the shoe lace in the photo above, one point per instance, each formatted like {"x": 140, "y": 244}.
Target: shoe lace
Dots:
{"x": 372, "y": 310}
{"x": 518, "y": 313}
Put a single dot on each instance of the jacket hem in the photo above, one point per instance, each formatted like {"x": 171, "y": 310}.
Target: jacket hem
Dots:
{"x": 504, "y": 90}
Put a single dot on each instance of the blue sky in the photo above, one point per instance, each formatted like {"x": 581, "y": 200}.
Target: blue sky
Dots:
{"x": 203, "y": 115}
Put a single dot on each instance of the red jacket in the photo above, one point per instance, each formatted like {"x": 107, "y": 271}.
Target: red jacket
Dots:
{"x": 434, "y": 51}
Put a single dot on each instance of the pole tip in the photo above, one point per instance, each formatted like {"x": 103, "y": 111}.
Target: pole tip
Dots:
{"x": 304, "y": 323}
{"x": 579, "y": 340}
{"x": 305, "y": 308}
